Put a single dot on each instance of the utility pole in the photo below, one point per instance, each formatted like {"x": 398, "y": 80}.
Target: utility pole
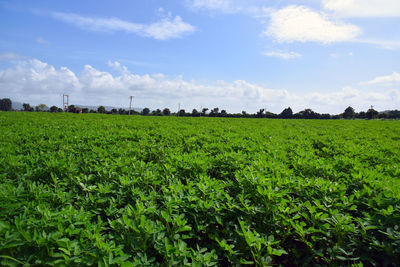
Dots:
{"x": 65, "y": 102}
{"x": 130, "y": 104}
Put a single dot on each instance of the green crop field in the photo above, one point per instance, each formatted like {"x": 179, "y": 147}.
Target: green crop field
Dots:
{"x": 103, "y": 190}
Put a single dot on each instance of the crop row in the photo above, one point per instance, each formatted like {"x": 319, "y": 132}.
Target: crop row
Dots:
{"x": 102, "y": 190}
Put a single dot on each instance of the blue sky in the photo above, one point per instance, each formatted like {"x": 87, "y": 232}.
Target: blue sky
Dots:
{"x": 232, "y": 54}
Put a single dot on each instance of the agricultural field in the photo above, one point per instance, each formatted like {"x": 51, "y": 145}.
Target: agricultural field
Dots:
{"x": 110, "y": 190}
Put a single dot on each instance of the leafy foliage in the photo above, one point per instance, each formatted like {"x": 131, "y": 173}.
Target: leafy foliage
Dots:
{"x": 83, "y": 190}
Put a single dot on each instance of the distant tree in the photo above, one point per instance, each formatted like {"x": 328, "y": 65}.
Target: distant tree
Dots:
{"x": 270, "y": 115}
{"x": 5, "y": 104}
{"x": 383, "y": 115}
{"x": 393, "y": 114}
{"x": 361, "y": 115}
{"x": 145, "y": 111}
{"x": 41, "y": 108}
{"x": 204, "y": 111}
{"x": 325, "y": 116}
{"x": 166, "y": 112}
{"x": 260, "y": 113}
{"x": 156, "y": 112}
{"x": 53, "y": 109}
{"x": 121, "y": 111}
{"x": 60, "y": 110}
{"x": 85, "y": 110}
{"x": 92, "y": 111}
{"x": 71, "y": 109}
{"x": 371, "y": 114}
{"x": 287, "y": 113}
{"x": 349, "y": 113}
{"x": 223, "y": 113}
{"x": 114, "y": 111}
{"x": 195, "y": 113}
{"x": 215, "y": 111}
{"x": 306, "y": 114}
{"x": 101, "y": 109}
{"x": 27, "y": 107}
{"x": 182, "y": 113}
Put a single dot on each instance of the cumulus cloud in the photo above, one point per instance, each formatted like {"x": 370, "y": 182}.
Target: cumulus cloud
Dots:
{"x": 301, "y": 24}
{"x": 37, "y": 82}
{"x": 387, "y": 80}
{"x": 363, "y": 8}
{"x": 164, "y": 29}
{"x": 282, "y": 54}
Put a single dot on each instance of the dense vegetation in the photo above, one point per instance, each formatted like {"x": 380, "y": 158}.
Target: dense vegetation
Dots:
{"x": 91, "y": 189}
{"x": 287, "y": 113}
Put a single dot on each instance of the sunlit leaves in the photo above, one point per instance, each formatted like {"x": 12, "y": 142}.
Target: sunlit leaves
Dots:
{"x": 88, "y": 189}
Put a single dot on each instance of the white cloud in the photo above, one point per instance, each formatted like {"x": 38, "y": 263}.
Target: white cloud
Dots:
{"x": 301, "y": 24}
{"x": 37, "y": 82}
{"x": 363, "y": 8}
{"x": 388, "y": 80}
{"x": 166, "y": 28}
{"x": 282, "y": 54}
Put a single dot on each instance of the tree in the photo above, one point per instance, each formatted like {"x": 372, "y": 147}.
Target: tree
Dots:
{"x": 121, "y": 111}
{"x": 224, "y": 113}
{"x": 101, "y": 109}
{"x": 307, "y": 114}
{"x": 371, "y": 113}
{"x": 214, "y": 112}
{"x": 41, "y": 108}
{"x": 27, "y": 107}
{"x": 260, "y": 113}
{"x": 287, "y": 113}
{"x": 114, "y": 111}
{"x": 85, "y": 110}
{"x": 166, "y": 112}
{"x": 145, "y": 111}
{"x": 349, "y": 113}
{"x": 53, "y": 109}
{"x": 195, "y": 113}
{"x": 158, "y": 112}
{"x": 361, "y": 115}
{"x": 71, "y": 109}
{"x": 182, "y": 113}
{"x": 270, "y": 115}
{"x": 203, "y": 112}
{"x": 5, "y": 104}
{"x": 325, "y": 116}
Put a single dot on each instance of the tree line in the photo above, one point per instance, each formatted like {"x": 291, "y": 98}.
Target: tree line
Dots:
{"x": 287, "y": 113}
